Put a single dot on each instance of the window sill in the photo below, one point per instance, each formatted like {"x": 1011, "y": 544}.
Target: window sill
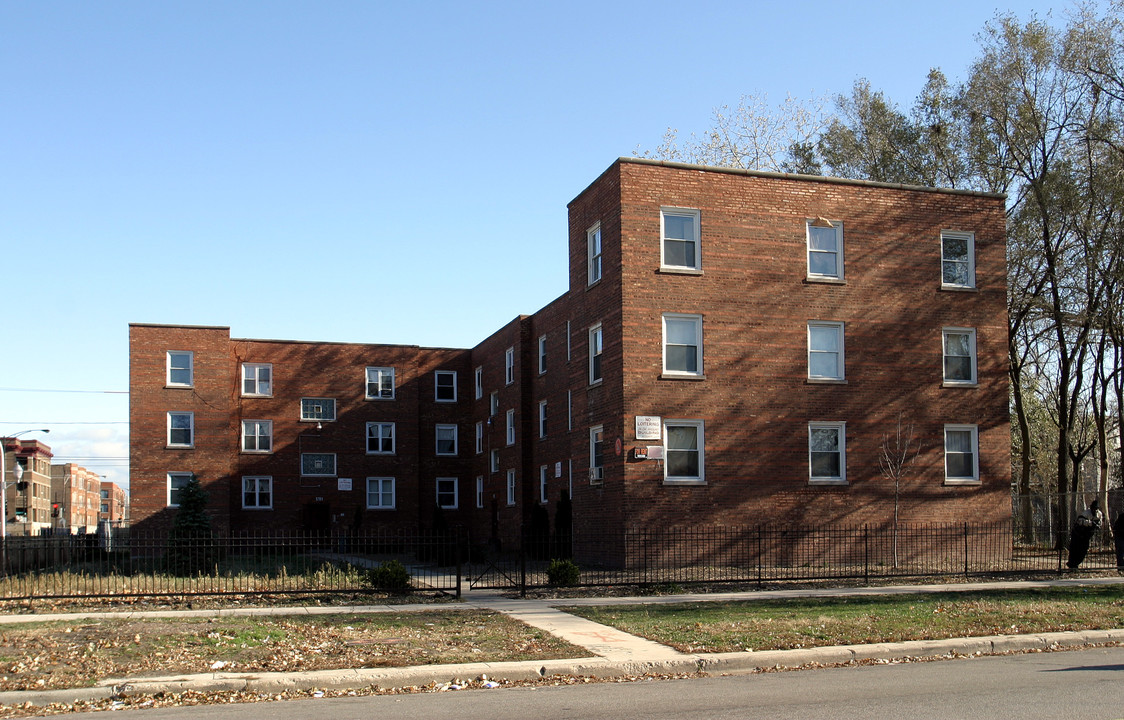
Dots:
{"x": 596, "y": 383}
{"x": 313, "y": 420}
{"x": 255, "y": 452}
{"x": 962, "y": 482}
{"x": 685, "y": 482}
{"x": 824, "y": 280}
{"x": 830, "y": 483}
{"x": 670, "y": 270}
{"x": 824, "y": 381}
{"x": 950, "y": 384}
{"x": 677, "y": 376}
{"x": 252, "y": 508}
{"x": 179, "y": 387}
{"x": 384, "y": 509}
{"x": 384, "y": 399}
{"x": 595, "y": 283}
{"x": 958, "y": 288}
{"x": 179, "y": 447}
{"x": 255, "y": 395}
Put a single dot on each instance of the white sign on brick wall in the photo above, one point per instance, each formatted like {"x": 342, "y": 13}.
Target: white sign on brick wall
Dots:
{"x": 648, "y": 427}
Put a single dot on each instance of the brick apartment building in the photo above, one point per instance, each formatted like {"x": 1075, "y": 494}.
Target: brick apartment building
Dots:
{"x": 75, "y": 498}
{"x": 113, "y": 505}
{"x": 732, "y": 349}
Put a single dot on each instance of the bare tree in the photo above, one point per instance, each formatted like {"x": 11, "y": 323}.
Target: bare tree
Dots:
{"x": 897, "y": 453}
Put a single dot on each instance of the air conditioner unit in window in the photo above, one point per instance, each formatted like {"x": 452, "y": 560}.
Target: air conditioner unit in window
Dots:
{"x": 596, "y": 475}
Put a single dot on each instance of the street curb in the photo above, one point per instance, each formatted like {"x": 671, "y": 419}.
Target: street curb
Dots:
{"x": 718, "y": 663}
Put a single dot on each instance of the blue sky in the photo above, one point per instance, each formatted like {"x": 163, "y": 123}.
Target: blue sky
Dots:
{"x": 355, "y": 171}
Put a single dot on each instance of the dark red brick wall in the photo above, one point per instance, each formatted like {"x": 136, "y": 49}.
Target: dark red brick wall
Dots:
{"x": 755, "y": 400}
{"x": 756, "y": 301}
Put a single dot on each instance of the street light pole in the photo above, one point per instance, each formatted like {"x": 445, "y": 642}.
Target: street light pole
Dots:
{"x": 4, "y": 489}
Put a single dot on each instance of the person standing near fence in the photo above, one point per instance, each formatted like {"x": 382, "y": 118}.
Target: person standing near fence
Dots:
{"x": 1084, "y": 528}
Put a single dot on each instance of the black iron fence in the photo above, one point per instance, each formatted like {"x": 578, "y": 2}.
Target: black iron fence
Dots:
{"x": 131, "y": 564}
{"x": 682, "y": 556}
{"x": 135, "y": 564}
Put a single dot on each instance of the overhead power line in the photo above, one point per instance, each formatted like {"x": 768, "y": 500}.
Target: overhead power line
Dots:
{"x": 46, "y": 390}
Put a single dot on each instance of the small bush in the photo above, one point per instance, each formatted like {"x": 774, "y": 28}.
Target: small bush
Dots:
{"x": 390, "y": 575}
{"x": 562, "y": 573}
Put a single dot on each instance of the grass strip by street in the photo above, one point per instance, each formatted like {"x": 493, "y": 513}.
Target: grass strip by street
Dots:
{"x": 820, "y": 622}
{"x": 62, "y": 654}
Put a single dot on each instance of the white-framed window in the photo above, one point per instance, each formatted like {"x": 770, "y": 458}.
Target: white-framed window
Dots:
{"x": 825, "y": 249}
{"x": 380, "y": 493}
{"x": 478, "y": 376}
{"x": 181, "y": 429}
{"x": 959, "y": 356}
{"x": 683, "y": 451}
{"x": 447, "y": 493}
{"x": 510, "y": 487}
{"x": 493, "y": 403}
{"x": 593, "y": 254}
{"x": 569, "y": 345}
{"x": 511, "y": 427}
{"x": 542, "y": 418}
{"x": 961, "y": 455}
{"x": 509, "y": 366}
{"x": 177, "y": 481}
{"x": 318, "y": 409}
{"x": 827, "y": 452}
{"x": 596, "y": 454}
{"x": 380, "y": 383}
{"x": 257, "y": 436}
{"x": 479, "y": 491}
{"x": 958, "y": 259}
{"x": 445, "y": 386}
{"x": 494, "y": 461}
{"x": 180, "y": 368}
{"x": 257, "y": 379}
{"x": 380, "y": 438}
{"x": 679, "y": 230}
{"x": 596, "y": 348}
{"x": 479, "y": 437}
{"x": 542, "y": 354}
{"x": 446, "y": 439}
{"x": 257, "y": 492}
{"x": 569, "y": 410}
{"x": 825, "y": 351}
{"x": 544, "y": 477}
{"x": 682, "y": 344}
{"x": 318, "y": 464}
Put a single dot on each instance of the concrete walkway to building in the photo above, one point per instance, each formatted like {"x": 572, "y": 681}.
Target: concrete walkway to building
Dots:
{"x": 612, "y": 653}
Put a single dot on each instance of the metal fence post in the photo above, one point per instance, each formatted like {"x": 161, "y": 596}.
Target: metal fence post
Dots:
{"x": 523, "y": 565}
{"x": 866, "y": 553}
{"x": 965, "y": 549}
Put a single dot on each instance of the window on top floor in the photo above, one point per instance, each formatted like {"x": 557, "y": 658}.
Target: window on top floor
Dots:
{"x": 380, "y": 383}
{"x": 679, "y": 247}
{"x": 958, "y": 259}
{"x": 445, "y": 386}
{"x": 257, "y": 379}
{"x": 825, "y": 249}
{"x": 180, "y": 368}
{"x": 593, "y": 254}
{"x": 509, "y": 366}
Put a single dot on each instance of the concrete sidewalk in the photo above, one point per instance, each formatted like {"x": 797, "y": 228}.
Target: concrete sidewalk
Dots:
{"x": 612, "y": 653}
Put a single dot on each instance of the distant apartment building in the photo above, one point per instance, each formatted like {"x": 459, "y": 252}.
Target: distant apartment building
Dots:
{"x": 113, "y": 503}
{"x": 732, "y": 349}
{"x": 27, "y": 500}
{"x": 75, "y": 498}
